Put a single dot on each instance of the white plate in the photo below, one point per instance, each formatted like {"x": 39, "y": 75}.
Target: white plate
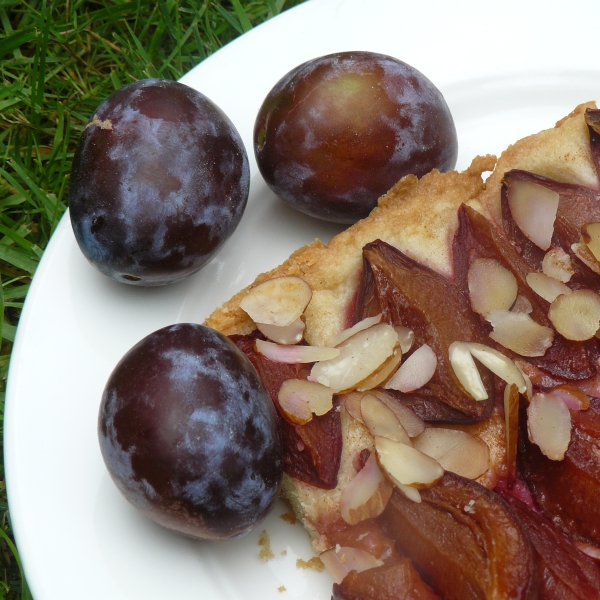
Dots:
{"x": 506, "y": 69}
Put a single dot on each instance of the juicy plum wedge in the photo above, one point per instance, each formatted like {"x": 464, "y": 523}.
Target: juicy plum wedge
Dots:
{"x": 436, "y": 309}
{"x": 565, "y": 573}
{"x": 395, "y": 581}
{"x": 311, "y": 452}
{"x": 160, "y": 181}
{"x": 338, "y": 131}
{"x": 189, "y": 434}
{"x": 477, "y": 238}
{"x": 568, "y": 491}
{"x": 465, "y": 540}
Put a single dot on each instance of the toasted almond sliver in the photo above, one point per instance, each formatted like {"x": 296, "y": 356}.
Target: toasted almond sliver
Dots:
{"x": 290, "y": 334}
{"x": 456, "y": 450}
{"x": 591, "y": 236}
{"x": 279, "y": 301}
{"x": 572, "y": 396}
{"x": 576, "y": 316}
{"x": 352, "y": 402}
{"x": 317, "y": 397}
{"x": 549, "y": 425}
{"x": 412, "y": 423}
{"x": 546, "y": 287}
{"x": 294, "y": 405}
{"x": 522, "y": 305}
{"x": 520, "y": 333}
{"x": 295, "y": 354}
{"x": 342, "y": 336}
{"x": 415, "y": 371}
{"x": 359, "y": 358}
{"x": 384, "y": 373}
{"x": 557, "y": 264}
{"x": 406, "y": 337}
{"x": 366, "y": 495}
{"x": 491, "y": 286}
{"x": 405, "y": 465}
{"x": 381, "y": 420}
{"x": 498, "y": 364}
{"x": 466, "y": 370}
{"x": 339, "y": 561}
{"x": 583, "y": 253}
{"x": 412, "y": 493}
{"x": 533, "y": 207}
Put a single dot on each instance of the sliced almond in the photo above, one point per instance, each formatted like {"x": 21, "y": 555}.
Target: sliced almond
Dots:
{"x": 290, "y": 334}
{"x": 498, "y": 364}
{"x": 522, "y": 305}
{"x": 576, "y": 316}
{"x": 415, "y": 371}
{"x": 348, "y": 333}
{"x": 405, "y": 465}
{"x": 466, "y": 370}
{"x": 491, "y": 286}
{"x": 529, "y": 385}
{"x": 295, "y": 354}
{"x": 359, "y": 358}
{"x": 294, "y": 406}
{"x": 533, "y": 207}
{"x": 520, "y": 333}
{"x": 384, "y": 373}
{"x": 546, "y": 287}
{"x": 557, "y": 264}
{"x": 367, "y": 494}
{"x": 456, "y": 450}
{"x": 412, "y": 493}
{"x": 295, "y": 394}
{"x": 339, "y": 561}
{"x": 412, "y": 423}
{"x": 352, "y": 402}
{"x": 381, "y": 420}
{"x": 406, "y": 337}
{"x": 278, "y": 301}
{"x": 511, "y": 417}
{"x": 573, "y": 397}
{"x": 549, "y": 425}
{"x": 584, "y": 254}
{"x": 591, "y": 236}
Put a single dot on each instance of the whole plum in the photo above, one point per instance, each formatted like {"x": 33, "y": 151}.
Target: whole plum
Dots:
{"x": 339, "y": 131}
{"x": 159, "y": 182}
{"x": 189, "y": 433}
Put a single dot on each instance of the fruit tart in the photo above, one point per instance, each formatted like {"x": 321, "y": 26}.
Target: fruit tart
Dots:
{"x": 435, "y": 374}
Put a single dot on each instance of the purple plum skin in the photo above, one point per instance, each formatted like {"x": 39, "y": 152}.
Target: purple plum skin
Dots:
{"x": 159, "y": 182}
{"x": 189, "y": 434}
{"x": 338, "y": 131}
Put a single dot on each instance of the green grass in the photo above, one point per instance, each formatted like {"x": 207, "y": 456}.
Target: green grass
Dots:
{"x": 58, "y": 61}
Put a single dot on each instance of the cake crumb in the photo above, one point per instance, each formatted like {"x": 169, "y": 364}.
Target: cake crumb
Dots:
{"x": 284, "y": 553}
{"x": 266, "y": 553}
{"x": 314, "y": 563}
{"x": 289, "y": 517}
{"x": 281, "y": 588}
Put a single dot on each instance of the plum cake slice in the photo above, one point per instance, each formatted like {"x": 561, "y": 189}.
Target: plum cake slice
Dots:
{"x": 435, "y": 373}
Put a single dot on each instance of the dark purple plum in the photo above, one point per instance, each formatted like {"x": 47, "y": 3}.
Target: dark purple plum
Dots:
{"x": 189, "y": 433}
{"x": 338, "y": 131}
{"x": 159, "y": 182}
